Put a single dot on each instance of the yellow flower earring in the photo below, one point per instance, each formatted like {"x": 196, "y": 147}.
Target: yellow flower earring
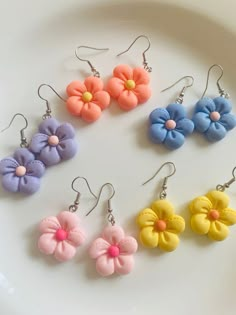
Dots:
{"x": 159, "y": 226}
{"x": 210, "y": 214}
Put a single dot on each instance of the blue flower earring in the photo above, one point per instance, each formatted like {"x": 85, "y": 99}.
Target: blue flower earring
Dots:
{"x": 212, "y": 115}
{"x": 170, "y": 125}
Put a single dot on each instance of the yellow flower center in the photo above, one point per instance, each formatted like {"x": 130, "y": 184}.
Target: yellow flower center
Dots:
{"x": 87, "y": 97}
{"x": 160, "y": 225}
{"x": 130, "y": 84}
{"x": 213, "y": 215}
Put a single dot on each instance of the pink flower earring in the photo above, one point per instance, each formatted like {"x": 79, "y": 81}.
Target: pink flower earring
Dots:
{"x": 87, "y": 99}
{"x": 130, "y": 86}
{"x": 62, "y": 234}
{"x": 113, "y": 250}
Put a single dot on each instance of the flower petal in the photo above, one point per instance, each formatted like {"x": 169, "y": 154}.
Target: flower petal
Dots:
{"x": 205, "y": 105}
{"x": 176, "y": 111}
{"x": 65, "y": 131}
{"x": 49, "y": 225}
{"x": 200, "y": 205}
{"x": 223, "y": 105}
{"x": 23, "y": 156}
{"x": 35, "y": 168}
{"x": 76, "y": 237}
{"x": 215, "y": 132}
{"x": 102, "y": 99}
{"x": 67, "y": 149}
{"x": 47, "y": 243}
{"x": 143, "y": 93}
{"x": 49, "y": 156}
{"x": 68, "y": 220}
{"x": 175, "y": 224}
{"x": 8, "y": 165}
{"x": 159, "y": 116}
{"x": 74, "y": 105}
{"x": 185, "y": 126}
{"x": 201, "y": 121}
{"x": 29, "y": 184}
{"x": 157, "y": 133}
{"x": 123, "y": 72}
{"x": 38, "y": 142}
{"x": 228, "y": 216}
{"x": 93, "y": 84}
{"x": 168, "y": 241}
{"x": 127, "y": 100}
{"x": 113, "y": 234}
{"x": 163, "y": 208}
{"x": 124, "y": 264}
{"x": 149, "y": 237}
{"x": 228, "y": 121}
{"x": 98, "y": 248}
{"x": 200, "y": 224}
{"x": 105, "y": 265}
{"x": 219, "y": 199}
{"x": 128, "y": 245}
{"x": 141, "y": 76}
{"x": 49, "y": 126}
{"x": 174, "y": 140}
{"x": 64, "y": 251}
{"x": 218, "y": 231}
{"x": 76, "y": 88}
{"x": 147, "y": 217}
{"x": 10, "y": 182}
{"x": 115, "y": 87}
{"x": 91, "y": 112}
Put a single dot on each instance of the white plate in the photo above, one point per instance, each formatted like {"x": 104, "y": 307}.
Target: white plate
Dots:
{"x": 38, "y": 39}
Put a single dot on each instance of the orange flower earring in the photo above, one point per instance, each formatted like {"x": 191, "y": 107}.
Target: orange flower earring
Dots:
{"x": 87, "y": 99}
{"x": 130, "y": 86}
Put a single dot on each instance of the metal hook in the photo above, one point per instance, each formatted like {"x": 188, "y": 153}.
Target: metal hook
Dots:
{"x": 110, "y": 216}
{"x": 226, "y": 185}
{"x": 163, "y": 193}
{"x": 48, "y": 110}
{"x": 74, "y": 207}
{"x": 180, "y": 98}
{"x": 93, "y": 69}
{"x": 145, "y": 63}
{"x": 24, "y": 142}
{"x": 220, "y": 89}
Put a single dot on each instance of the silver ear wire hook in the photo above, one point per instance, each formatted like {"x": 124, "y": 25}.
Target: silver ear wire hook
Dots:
{"x": 180, "y": 98}
{"x": 145, "y": 63}
{"x": 163, "y": 193}
{"x": 93, "y": 69}
{"x": 24, "y": 143}
{"x": 110, "y": 216}
{"x": 220, "y": 89}
{"x": 227, "y": 184}
{"x": 74, "y": 207}
{"x": 48, "y": 110}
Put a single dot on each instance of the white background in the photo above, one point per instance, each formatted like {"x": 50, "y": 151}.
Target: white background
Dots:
{"x": 38, "y": 39}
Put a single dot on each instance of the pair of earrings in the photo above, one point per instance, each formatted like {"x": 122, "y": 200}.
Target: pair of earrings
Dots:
{"x": 212, "y": 117}
{"x": 61, "y": 235}
{"x": 210, "y": 215}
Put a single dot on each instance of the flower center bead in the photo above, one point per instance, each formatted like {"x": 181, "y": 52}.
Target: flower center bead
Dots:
{"x": 53, "y": 140}
{"x": 130, "y": 84}
{"x": 20, "y": 171}
{"x": 61, "y": 235}
{"x": 87, "y": 97}
{"x": 213, "y": 215}
{"x": 113, "y": 251}
{"x": 215, "y": 116}
{"x": 170, "y": 124}
{"x": 160, "y": 225}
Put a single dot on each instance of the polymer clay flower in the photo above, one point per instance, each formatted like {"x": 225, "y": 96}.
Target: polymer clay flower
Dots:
{"x": 113, "y": 252}
{"x": 129, "y": 87}
{"x": 212, "y": 117}
{"x": 159, "y": 226}
{"x": 22, "y": 172}
{"x": 87, "y": 99}
{"x": 211, "y": 215}
{"x": 170, "y": 126}
{"x": 54, "y": 142}
{"x": 61, "y": 235}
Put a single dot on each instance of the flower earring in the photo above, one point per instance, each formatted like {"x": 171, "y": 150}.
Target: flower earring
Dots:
{"x": 212, "y": 115}
{"x": 114, "y": 250}
{"x": 61, "y": 234}
{"x": 159, "y": 226}
{"x": 55, "y": 141}
{"x": 130, "y": 86}
{"x": 170, "y": 125}
{"x": 211, "y": 215}
{"x": 22, "y": 172}
{"x": 87, "y": 99}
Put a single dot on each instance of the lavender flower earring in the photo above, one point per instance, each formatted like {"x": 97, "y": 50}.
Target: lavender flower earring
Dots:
{"x": 22, "y": 172}
{"x": 55, "y": 141}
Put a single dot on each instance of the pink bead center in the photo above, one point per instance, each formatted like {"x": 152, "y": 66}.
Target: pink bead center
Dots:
{"x": 61, "y": 235}
{"x": 53, "y": 140}
{"x": 160, "y": 225}
{"x": 170, "y": 124}
{"x": 215, "y": 116}
{"x": 20, "y": 171}
{"x": 213, "y": 215}
{"x": 113, "y": 251}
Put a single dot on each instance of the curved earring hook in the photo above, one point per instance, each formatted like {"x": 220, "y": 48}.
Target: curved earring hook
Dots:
{"x": 48, "y": 110}
{"x": 24, "y": 142}
{"x": 231, "y": 181}
{"x": 93, "y": 69}
{"x": 145, "y": 63}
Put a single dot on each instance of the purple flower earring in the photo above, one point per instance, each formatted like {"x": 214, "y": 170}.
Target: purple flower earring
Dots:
{"x": 55, "y": 141}
{"x": 22, "y": 171}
